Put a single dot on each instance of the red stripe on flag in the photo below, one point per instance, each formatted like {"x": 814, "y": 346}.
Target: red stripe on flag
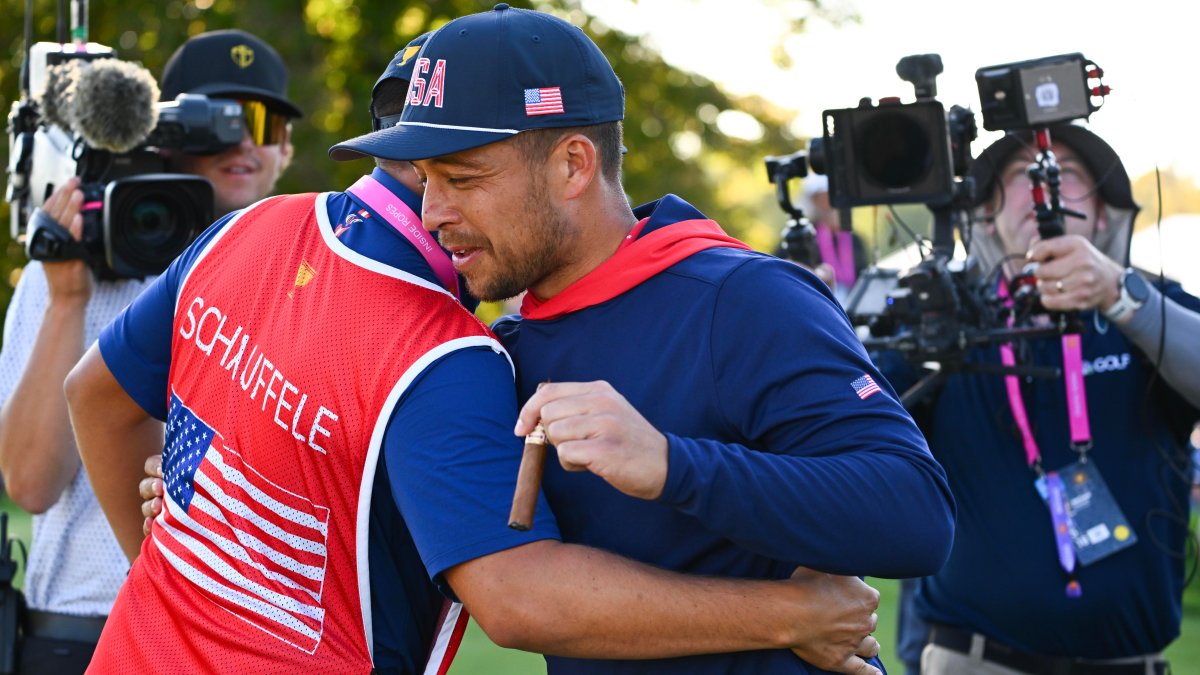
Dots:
{"x": 291, "y": 627}
{"x": 251, "y": 547}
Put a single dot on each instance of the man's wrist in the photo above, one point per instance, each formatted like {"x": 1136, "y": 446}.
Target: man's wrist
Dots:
{"x": 1132, "y": 293}
{"x": 68, "y": 304}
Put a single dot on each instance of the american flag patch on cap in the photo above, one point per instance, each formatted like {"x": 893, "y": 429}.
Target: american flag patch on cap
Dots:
{"x": 543, "y": 101}
{"x": 865, "y": 387}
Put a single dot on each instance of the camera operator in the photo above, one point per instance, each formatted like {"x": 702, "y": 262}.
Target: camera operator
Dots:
{"x": 843, "y": 255}
{"x": 75, "y": 565}
{"x": 1015, "y": 597}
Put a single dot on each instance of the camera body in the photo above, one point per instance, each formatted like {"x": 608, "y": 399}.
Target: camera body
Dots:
{"x": 890, "y": 153}
{"x": 1038, "y": 92}
{"x": 894, "y": 153}
{"x": 138, "y": 215}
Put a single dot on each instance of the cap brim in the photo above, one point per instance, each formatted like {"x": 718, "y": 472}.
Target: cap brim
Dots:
{"x": 230, "y": 89}
{"x": 414, "y": 140}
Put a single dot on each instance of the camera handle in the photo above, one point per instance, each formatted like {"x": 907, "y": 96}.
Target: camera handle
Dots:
{"x": 929, "y": 384}
{"x": 48, "y": 240}
{"x": 1045, "y": 177}
{"x": 799, "y": 240}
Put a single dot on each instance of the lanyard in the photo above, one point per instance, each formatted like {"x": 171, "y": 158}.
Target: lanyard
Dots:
{"x": 1081, "y": 439}
{"x": 1077, "y": 413}
{"x": 398, "y": 215}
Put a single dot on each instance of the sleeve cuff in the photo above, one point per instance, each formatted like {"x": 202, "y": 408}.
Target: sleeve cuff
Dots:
{"x": 681, "y": 471}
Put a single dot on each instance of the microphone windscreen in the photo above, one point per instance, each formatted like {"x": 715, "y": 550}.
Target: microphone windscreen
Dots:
{"x": 114, "y": 105}
{"x": 55, "y": 100}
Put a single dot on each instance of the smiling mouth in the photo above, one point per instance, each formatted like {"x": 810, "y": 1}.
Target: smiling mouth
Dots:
{"x": 461, "y": 255}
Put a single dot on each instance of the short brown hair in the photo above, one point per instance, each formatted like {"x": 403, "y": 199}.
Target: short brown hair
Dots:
{"x": 535, "y": 145}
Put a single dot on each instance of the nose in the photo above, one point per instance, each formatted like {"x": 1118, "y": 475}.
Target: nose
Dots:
{"x": 437, "y": 210}
{"x": 247, "y": 142}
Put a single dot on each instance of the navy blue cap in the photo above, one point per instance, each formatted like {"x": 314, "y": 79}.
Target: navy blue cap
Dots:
{"x": 484, "y": 77}
{"x": 400, "y": 68}
{"x": 228, "y": 63}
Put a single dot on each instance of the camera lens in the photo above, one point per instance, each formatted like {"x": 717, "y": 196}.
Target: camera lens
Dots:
{"x": 152, "y": 230}
{"x": 899, "y": 150}
{"x": 150, "y": 219}
{"x": 150, "y": 222}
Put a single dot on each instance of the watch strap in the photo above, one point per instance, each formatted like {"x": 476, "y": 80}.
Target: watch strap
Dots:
{"x": 1126, "y": 304}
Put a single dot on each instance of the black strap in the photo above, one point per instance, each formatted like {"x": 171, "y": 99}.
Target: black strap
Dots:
{"x": 64, "y": 626}
{"x": 46, "y": 239}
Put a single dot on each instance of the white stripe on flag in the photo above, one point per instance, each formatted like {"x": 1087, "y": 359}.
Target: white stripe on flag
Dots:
{"x": 232, "y": 575}
{"x": 245, "y": 540}
{"x": 238, "y": 508}
{"x": 248, "y": 602}
{"x": 237, "y": 478}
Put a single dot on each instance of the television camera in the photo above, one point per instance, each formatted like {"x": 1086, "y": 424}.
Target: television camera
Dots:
{"x": 894, "y": 153}
{"x": 83, "y": 112}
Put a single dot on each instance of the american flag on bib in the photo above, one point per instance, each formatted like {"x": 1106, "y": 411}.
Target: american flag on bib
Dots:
{"x": 543, "y": 101}
{"x": 865, "y": 387}
{"x": 250, "y": 546}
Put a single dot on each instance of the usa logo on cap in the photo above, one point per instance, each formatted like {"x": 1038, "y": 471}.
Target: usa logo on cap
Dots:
{"x": 543, "y": 101}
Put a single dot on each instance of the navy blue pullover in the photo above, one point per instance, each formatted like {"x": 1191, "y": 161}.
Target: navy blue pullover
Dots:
{"x": 746, "y": 363}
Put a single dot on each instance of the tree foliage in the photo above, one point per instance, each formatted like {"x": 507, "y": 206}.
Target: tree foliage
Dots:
{"x": 335, "y": 49}
{"x": 1180, "y": 194}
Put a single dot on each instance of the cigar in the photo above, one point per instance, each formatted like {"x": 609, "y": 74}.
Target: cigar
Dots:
{"x": 529, "y": 480}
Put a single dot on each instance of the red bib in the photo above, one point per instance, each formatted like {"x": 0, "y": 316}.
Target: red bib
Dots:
{"x": 282, "y": 381}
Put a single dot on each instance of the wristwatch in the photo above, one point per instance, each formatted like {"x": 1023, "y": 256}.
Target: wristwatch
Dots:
{"x": 1134, "y": 293}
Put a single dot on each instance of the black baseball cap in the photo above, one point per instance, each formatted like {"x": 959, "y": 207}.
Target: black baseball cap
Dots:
{"x": 1101, "y": 160}
{"x": 485, "y": 77}
{"x": 399, "y": 69}
{"x": 228, "y": 63}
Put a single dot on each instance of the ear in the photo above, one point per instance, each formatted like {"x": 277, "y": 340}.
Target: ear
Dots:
{"x": 576, "y": 162}
{"x": 286, "y": 150}
{"x": 1101, "y": 215}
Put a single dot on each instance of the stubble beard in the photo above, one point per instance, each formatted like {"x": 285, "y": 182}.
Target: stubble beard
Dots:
{"x": 543, "y": 250}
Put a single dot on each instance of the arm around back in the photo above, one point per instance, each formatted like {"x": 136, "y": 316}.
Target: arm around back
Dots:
{"x": 567, "y": 600}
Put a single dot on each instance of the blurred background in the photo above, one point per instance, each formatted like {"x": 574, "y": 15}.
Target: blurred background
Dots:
{"x": 710, "y": 92}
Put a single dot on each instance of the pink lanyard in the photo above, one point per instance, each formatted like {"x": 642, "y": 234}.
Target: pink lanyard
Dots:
{"x": 398, "y": 215}
{"x": 1077, "y": 414}
{"x": 1081, "y": 439}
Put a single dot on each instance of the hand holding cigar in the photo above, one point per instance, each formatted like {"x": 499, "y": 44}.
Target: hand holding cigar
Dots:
{"x": 529, "y": 480}
{"x": 597, "y": 430}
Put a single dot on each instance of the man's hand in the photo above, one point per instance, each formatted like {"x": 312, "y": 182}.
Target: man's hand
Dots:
{"x": 838, "y": 632}
{"x": 595, "y": 429}
{"x": 1073, "y": 275}
{"x": 68, "y": 281}
{"x": 151, "y": 490}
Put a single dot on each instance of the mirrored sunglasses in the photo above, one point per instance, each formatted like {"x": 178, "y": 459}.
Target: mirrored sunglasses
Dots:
{"x": 264, "y": 126}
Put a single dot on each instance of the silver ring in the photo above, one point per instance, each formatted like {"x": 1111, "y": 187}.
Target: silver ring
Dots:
{"x": 1059, "y": 285}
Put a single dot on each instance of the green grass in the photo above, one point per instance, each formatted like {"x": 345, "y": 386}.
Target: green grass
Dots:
{"x": 478, "y": 655}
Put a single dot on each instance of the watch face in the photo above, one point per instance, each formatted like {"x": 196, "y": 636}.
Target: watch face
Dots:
{"x": 1136, "y": 287}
